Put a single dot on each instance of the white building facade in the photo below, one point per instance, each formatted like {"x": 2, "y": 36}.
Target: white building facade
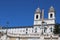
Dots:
{"x": 42, "y": 28}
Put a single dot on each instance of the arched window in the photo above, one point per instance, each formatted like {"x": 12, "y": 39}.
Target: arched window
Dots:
{"x": 51, "y": 15}
{"x": 35, "y": 30}
{"x": 36, "y": 16}
{"x": 26, "y": 32}
{"x": 45, "y": 29}
{"x": 51, "y": 29}
{"x": 26, "y": 29}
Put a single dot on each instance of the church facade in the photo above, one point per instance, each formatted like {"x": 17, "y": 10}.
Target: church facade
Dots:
{"x": 42, "y": 28}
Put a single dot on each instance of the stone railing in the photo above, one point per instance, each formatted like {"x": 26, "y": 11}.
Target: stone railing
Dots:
{"x": 51, "y": 37}
{"x": 23, "y": 35}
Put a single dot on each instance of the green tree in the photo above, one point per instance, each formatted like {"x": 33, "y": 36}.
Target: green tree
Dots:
{"x": 56, "y": 29}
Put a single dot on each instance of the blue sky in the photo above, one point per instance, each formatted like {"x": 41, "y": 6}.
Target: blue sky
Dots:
{"x": 21, "y": 12}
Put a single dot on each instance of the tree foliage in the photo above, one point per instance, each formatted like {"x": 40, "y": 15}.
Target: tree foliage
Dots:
{"x": 57, "y": 29}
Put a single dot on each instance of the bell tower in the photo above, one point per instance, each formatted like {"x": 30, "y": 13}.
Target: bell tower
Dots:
{"x": 51, "y": 14}
{"x": 51, "y": 17}
{"x": 37, "y": 16}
